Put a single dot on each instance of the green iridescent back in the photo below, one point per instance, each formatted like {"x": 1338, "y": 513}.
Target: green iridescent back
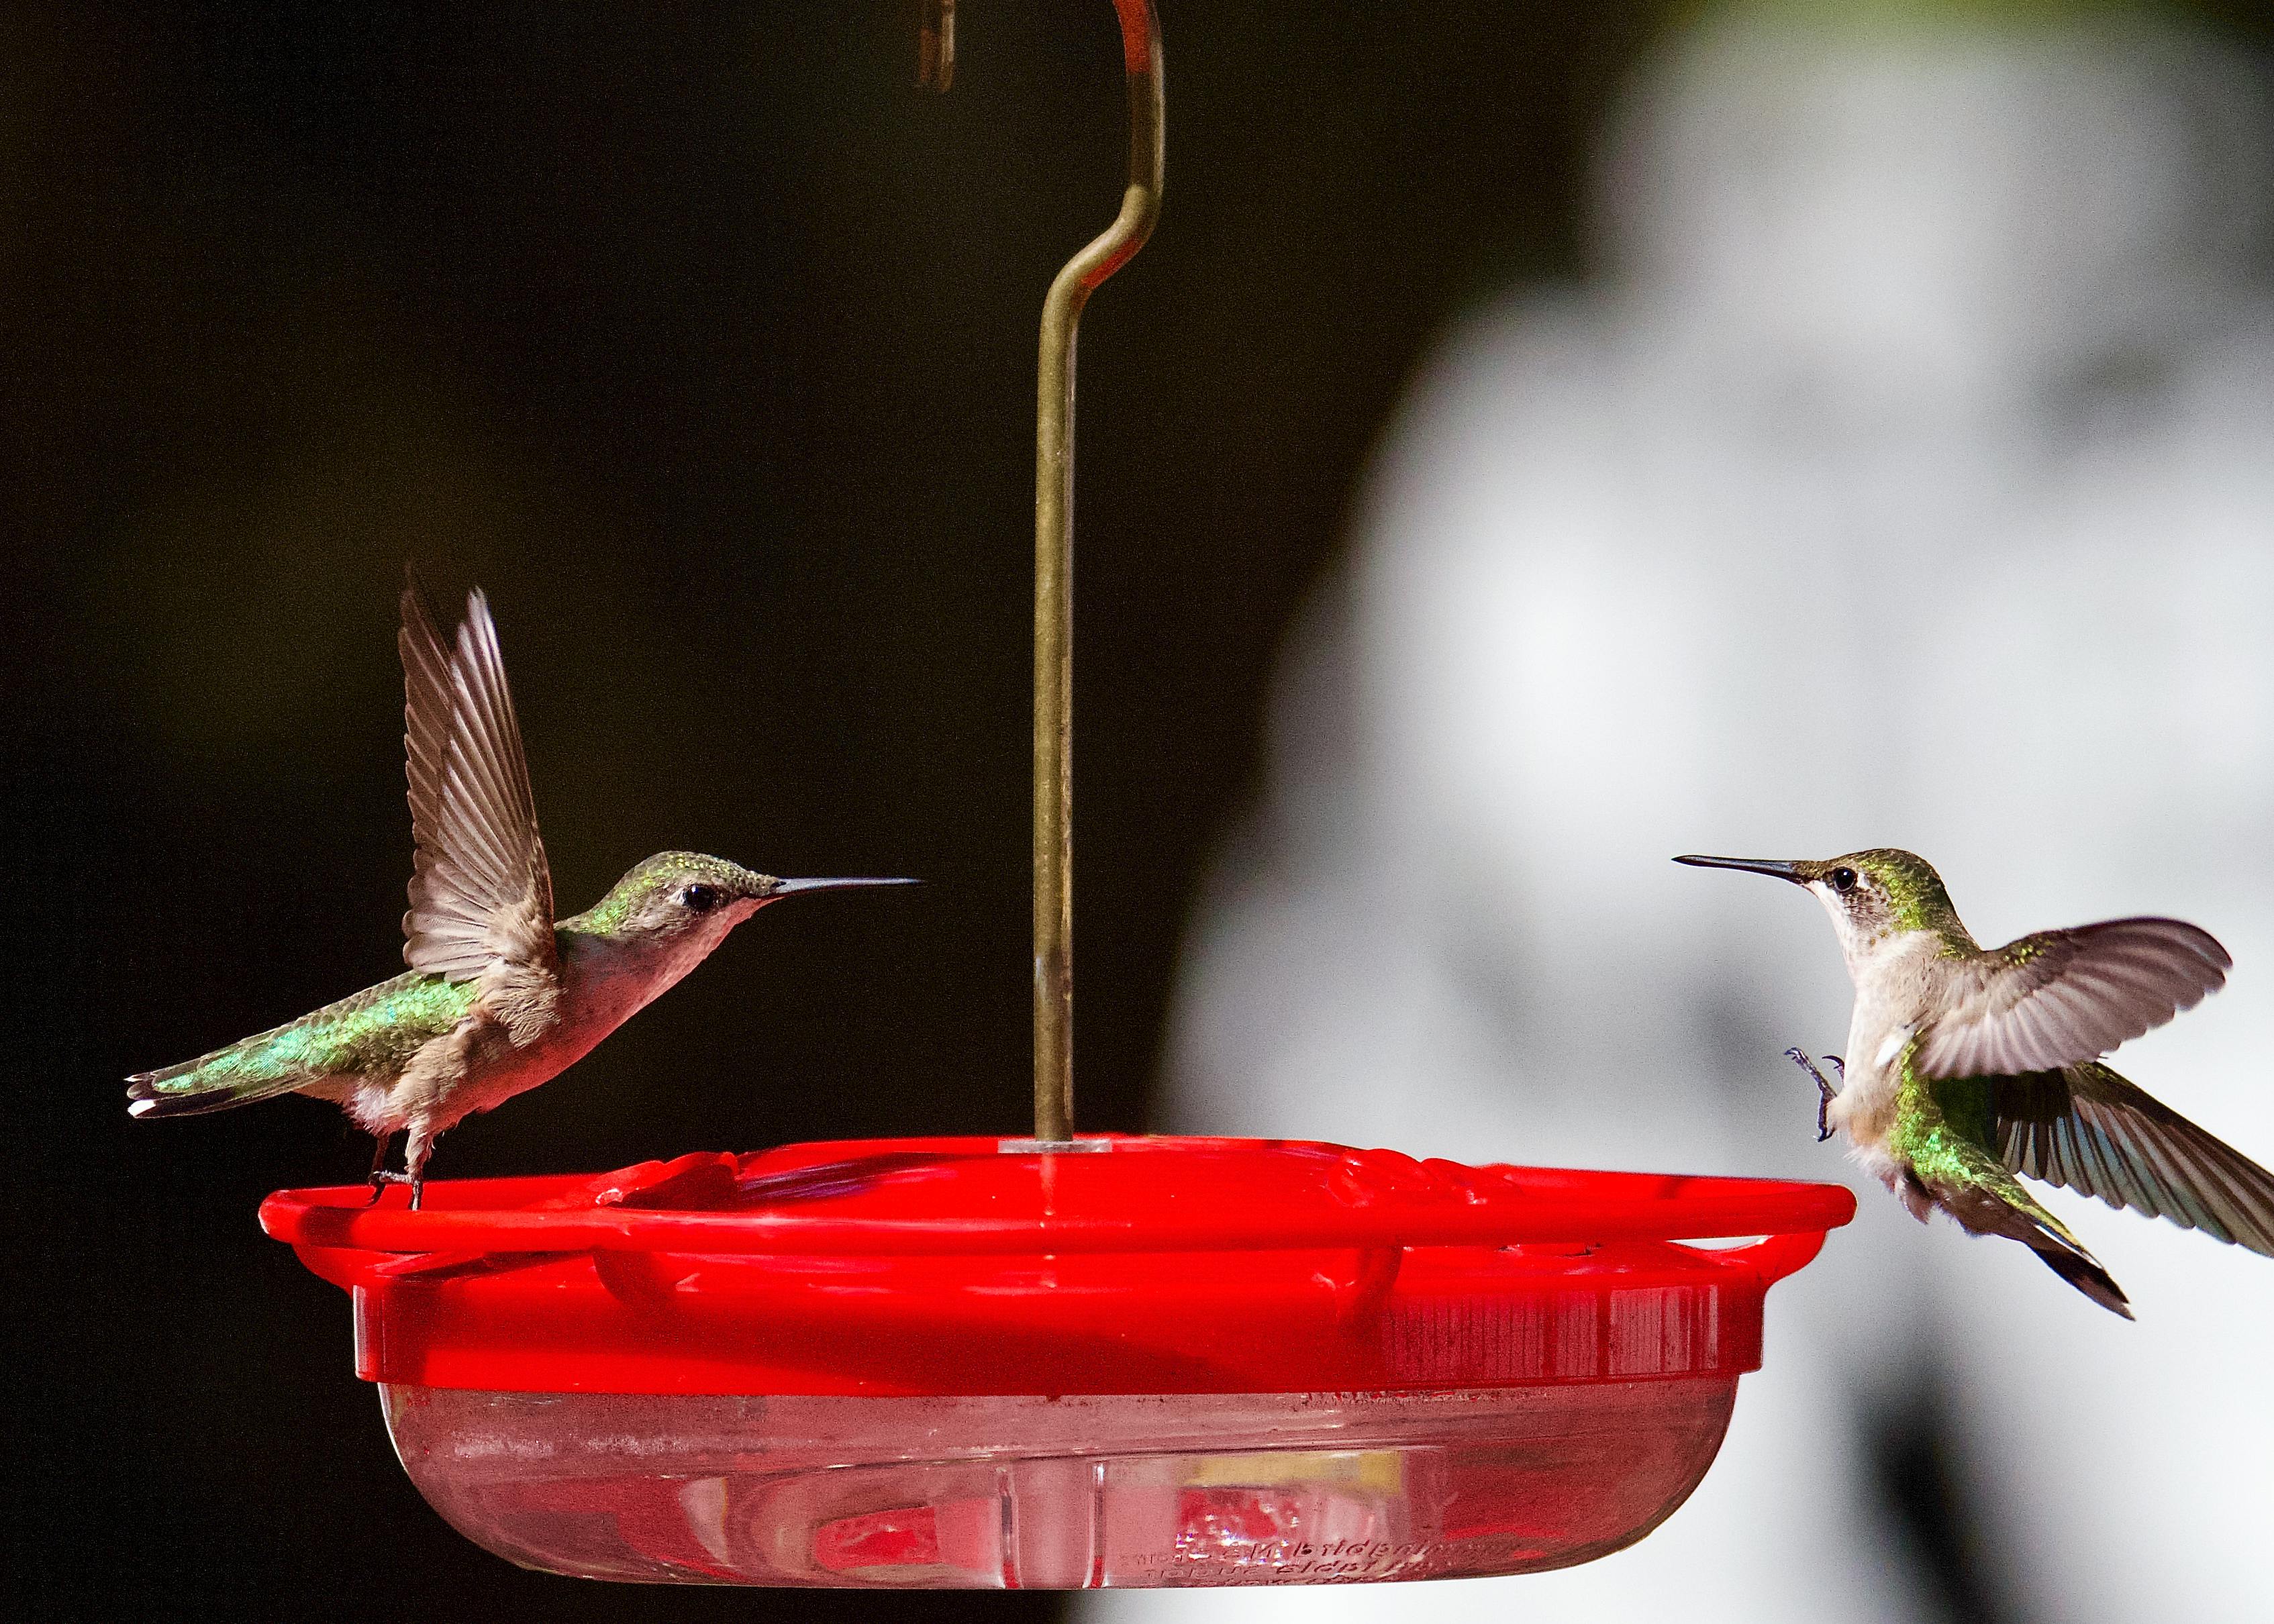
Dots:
{"x": 371, "y": 1035}
{"x": 1945, "y": 1130}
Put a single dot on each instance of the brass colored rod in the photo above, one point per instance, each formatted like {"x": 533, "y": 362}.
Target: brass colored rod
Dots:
{"x": 935, "y": 45}
{"x": 1108, "y": 253}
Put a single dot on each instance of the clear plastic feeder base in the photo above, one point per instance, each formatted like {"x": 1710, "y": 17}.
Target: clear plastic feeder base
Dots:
{"x": 1126, "y": 1492}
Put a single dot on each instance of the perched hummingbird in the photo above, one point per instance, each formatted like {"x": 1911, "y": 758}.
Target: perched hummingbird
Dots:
{"x": 499, "y": 997}
{"x": 1967, "y": 1065}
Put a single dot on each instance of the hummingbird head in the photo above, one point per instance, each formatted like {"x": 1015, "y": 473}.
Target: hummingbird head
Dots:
{"x": 1872, "y": 896}
{"x": 684, "y": 902}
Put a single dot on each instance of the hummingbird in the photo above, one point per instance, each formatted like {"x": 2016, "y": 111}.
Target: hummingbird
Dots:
{"x": 500, "y": 996}
{"x": 1971, "y": 1068}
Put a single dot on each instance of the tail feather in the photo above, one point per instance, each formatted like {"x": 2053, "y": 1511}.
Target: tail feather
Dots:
{"x": 2000, "y": 1205}
{"x": 237, "y": 1075}
{"x": 370, "y": 1035}
{"x": 2083, "y": 1271}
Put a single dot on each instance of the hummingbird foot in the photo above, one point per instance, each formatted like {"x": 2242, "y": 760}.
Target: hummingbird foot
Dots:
{"x": 1825, "y": 1091}
{"x": 381, "y": 1177}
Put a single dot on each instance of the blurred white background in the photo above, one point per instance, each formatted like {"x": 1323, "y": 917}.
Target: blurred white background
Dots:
{"x": 1905, "y": 476}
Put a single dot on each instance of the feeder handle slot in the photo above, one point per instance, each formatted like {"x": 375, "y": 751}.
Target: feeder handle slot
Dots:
{"x": 1773, "y": 1257}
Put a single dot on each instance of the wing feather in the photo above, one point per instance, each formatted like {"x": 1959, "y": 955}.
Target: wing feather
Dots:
{"x": 2087, "y": 1129}
{"x": 426, "y": 719}
{"x": 481, "y": 892}
{"x": 2062, "y": 998}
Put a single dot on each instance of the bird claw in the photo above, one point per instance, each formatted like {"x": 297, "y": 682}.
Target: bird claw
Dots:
{"x": 1824, "y": 1092}
{"x": 381, "y": 1179}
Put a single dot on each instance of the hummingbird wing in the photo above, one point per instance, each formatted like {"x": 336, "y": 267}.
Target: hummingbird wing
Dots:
{"x": 481, "y": 893}
{"x": 2062, "y": 997}
{"x": 2090, "y": 1130}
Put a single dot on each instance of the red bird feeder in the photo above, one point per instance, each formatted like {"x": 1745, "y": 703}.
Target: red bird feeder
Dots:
{"x": 1130, "y": 1362}
{"x": 1058, "y": 1363}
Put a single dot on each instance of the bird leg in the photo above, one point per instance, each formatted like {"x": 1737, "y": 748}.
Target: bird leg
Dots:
{"x": 1824, "y": 1092}
{"x": 421, "y": 1146}
{"x": 380, "y": 1177}
{"x": 416, "y": 1149}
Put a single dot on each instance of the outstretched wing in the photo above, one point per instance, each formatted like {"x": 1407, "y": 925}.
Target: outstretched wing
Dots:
{"x": 426, "y": 719}
{"x": 2062, "y": 997}
{"x": 481, "y": 895}
{"x": 2088, "y": 1129}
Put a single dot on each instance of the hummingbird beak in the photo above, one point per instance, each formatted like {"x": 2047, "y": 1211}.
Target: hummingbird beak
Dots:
{"x": 784, "y": 888}
{"x": 1750, "y": 865}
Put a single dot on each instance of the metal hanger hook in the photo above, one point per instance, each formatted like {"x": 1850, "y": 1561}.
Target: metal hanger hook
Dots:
{"x": 936, "y": 46}
{"x": 1070, "y": 290}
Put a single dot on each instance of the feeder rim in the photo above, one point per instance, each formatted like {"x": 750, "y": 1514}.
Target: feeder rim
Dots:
{"x": 1454, "y": 1205}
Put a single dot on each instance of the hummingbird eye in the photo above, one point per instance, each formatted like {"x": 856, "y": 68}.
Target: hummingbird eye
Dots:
{"x": 700, "y": 899}
{"x": 1841, "y": 879}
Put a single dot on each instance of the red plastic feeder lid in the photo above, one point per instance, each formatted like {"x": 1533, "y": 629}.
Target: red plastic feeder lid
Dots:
{"x": 1129, "y": 1265}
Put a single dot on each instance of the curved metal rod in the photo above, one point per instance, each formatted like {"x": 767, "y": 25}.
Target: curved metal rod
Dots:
{"x": 1108, "y": 253}
{"x": 1070, "y": 290}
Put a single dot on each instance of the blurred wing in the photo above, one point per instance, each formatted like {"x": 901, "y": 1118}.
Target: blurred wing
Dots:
{"x": 2064, "y": 996}
{"x": 480, "y": 891}
{"x": 2090, "y": 1130}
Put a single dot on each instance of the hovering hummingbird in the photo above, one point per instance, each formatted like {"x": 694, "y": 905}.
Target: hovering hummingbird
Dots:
{"x": 1968, "y": 1066}
{"x": 499, "y": 997}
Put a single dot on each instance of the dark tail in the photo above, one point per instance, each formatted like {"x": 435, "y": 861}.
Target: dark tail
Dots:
{"x": 1999, "y": 1206}
{"x": 2082, "y": 1270}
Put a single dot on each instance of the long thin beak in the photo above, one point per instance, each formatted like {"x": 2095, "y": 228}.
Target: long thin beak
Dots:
{"x": 785, "y": 888}
{"x": 1750, "y": 865}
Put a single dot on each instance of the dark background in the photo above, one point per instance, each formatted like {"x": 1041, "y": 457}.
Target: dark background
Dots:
{"x": 704, "y": 342}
